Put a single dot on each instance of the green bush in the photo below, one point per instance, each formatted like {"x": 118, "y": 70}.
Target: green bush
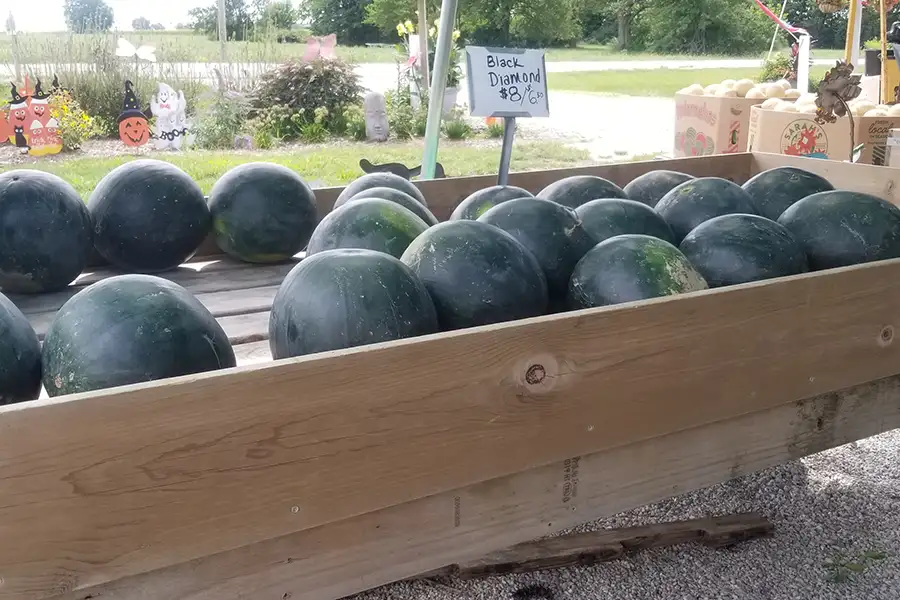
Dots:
{"x": 495, "y": 129}
{"x": 221, "y": 121}
{"x": 455, "y": 126}
{"x": 75, "y": 125}
{"x": 356, "y": 123}
{"x": 304, "y": 88}
{"x": 775, "y": 68}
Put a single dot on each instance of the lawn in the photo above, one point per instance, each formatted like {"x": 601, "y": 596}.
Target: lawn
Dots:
{"x": 658, "y": 82}
{"x": 186, "y": 46}
{"x": 334, "y": 164}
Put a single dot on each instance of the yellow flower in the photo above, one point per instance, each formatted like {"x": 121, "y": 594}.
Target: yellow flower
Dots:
{"x": 456, "y": 35}
{"x": 401, "y": 30}
{"x": 432, "y": 32}
{"x": 410, "y": 28}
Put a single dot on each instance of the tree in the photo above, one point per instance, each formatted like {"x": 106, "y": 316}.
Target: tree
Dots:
{"x": 344, "y": 18}
{"x": 238, "y": 22}
{"x": 158, "y": 27}
{"x": 87, "y": 16}
{"x": 140, "y": 24}
{"x": 281, "y": 14}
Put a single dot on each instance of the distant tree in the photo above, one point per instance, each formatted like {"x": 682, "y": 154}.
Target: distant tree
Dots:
{"x": 157, "y": 27}
{"x": 238, "y": 21}
{"x": 281, "y": 14}
{"x": 87, "y": 16}
{"x": 10, "y": 24}
{"x": 342, "y": 17}
{"x": 140, "y": 24}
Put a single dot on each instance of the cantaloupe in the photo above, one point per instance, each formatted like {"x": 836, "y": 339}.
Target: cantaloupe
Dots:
{"x": 770, "y": 104}
{"x": 695, "y": 89}
{"x": 711, "y": 89}
{"x": 876, "y": 112}
{"x": 755, "y": 94}
{"x": 728, "y": 83}
{"x": 743, "y": 87}
{"x": 792, "y": 93}
{"x": 784, "y": 83}
{"x": 806, "y": 99}
{"x": 773, "y": 90}
{"x": 808, "y": 109}
{"x": 726, "y": 93}
{"x": 894, "y": 110}
{"x": 787, "y": 107}
{"x": 862, "y": 107}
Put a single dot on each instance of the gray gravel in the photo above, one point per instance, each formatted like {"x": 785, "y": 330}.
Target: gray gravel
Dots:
{"x": 838, "y": 505}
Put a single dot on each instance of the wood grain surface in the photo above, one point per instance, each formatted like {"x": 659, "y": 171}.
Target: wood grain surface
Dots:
{"x": 403, "y": 541}
{"x": 140, "y": 478}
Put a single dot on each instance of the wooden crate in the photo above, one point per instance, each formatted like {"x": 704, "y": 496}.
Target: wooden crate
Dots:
{"x": 321, "y": 476}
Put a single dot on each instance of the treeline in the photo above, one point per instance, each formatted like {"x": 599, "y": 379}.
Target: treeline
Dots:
{"x": 662, "y": 26}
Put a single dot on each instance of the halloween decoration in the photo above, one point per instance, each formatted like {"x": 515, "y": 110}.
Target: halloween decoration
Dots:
{"x": 18, "y": 118}
{"x": 377, "y": 128}
{"x": 172, "y": 126}
{"x": 134, "y": 127}
{"x": 399, "y": 169}
{"x": 831, "y": 6}
{"x": 39, "y": 103}
{"x": 837, "y": 88}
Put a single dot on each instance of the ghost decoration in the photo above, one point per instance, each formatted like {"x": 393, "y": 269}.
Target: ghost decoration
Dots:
{"x": 171, "y": 123}
{"x": 377, "y": 129}
{"x": 134, "y": 126}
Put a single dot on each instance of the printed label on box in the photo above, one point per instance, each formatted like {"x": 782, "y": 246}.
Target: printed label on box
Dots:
{"x": 804, "y": 137}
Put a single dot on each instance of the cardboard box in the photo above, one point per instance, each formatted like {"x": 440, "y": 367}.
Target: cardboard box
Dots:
{"x": 797, "y": 134}
{"x": 706, "y": 125}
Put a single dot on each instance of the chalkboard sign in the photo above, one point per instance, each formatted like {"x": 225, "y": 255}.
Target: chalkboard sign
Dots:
{"x": 506, "y": 82}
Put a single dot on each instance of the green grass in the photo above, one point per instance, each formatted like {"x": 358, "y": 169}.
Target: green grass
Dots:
{"x": 658, "y": 82}
{"x": 186, "y": 46}
{"x": 335, "y": 164}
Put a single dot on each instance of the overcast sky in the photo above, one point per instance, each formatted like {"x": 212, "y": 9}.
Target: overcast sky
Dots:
{"x": 47, "y": 15}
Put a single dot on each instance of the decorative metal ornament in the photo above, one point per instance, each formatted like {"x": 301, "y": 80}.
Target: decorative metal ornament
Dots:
{"x": 838, "y": 87}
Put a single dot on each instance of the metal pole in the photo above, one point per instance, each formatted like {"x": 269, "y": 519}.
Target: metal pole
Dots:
{"x": 509, "y": 132}
{"x": 423, "y": 43}
{"x": 438, "y": 85}
{"x": 223, "y": 31}
{"x": 775, "y": 33}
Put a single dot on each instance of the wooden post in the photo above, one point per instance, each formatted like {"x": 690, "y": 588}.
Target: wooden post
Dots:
{"x": 423, "y": 44}
{"x": 223, "y": 31}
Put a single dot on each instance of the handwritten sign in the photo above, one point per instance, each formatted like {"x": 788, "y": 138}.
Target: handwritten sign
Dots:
{"x": 507, "y": 82}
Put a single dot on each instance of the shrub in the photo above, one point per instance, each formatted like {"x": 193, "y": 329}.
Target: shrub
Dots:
{"x": 495, "y": 128}
{"x": 305, "y": 87}
{"x": 356, "y": 123}
{"x": 775, "y": 68}
{"x": 219, "y": 122}
{"x": 400, "y": 113}
{"x": 75, "y": 125}
{"x": 455, "y": 127}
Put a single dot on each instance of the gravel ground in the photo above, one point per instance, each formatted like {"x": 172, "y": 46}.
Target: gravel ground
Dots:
{"x": 842, "y": 505}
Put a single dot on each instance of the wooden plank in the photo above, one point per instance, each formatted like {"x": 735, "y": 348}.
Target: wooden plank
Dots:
{"x": 400, "y": 542}
{"x": 604, "y": 545}
{"x": 221, "y": 460}
{"x": 877, "y": 180}
{"x": 197, "y": 278}
{"x": 243, "y": 313}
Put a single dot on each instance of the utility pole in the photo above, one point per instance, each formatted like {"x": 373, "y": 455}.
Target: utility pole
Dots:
{"x": 223, "y": 31}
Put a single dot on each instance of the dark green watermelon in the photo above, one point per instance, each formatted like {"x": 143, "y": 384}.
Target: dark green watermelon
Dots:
{"x": 45, "y": 232}
{"x": 480, "y": 202}
{"x": 649, "y": 188}
{"x": 401, "y": 198}
{"x": 149, "y": 216}
{"x": 346, "y": 298}
{"x": 131, "y": 329}
{"x": 631, "y": 267}
{"x": 578, "y": 189}
{"x": 609, "y": 217}
{"x": 734, "y": 249}
{"x": 20, "y": 356}
{"x": 701, "y": 199}
{"x": 371, "y": 224}
{"x": 477, "y": 274}
{"x": 840, "y": 228}
{"x": 374, "y": 180}
{"x": 262, "y": 212}
{"x": 773, "y": 191}
{"x": 551, "y": 232}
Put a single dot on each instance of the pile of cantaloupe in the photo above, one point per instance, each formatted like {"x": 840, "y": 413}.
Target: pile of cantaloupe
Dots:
{"x": 807, "y": 104}
{"x": 744, "y": 88}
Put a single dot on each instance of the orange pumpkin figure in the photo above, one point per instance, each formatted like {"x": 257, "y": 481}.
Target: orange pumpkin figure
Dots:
{"x": 134, "y": 129}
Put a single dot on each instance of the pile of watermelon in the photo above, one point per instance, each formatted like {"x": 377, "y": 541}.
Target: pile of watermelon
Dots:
{"x": 380, "y": 266}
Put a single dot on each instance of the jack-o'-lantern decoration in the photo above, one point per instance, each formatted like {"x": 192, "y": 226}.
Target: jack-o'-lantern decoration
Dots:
{"x": 134, "y": 128}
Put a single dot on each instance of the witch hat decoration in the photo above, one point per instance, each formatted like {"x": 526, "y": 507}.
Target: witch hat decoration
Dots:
{"x": 17, "y": 100}
{"x": 131, "y": 107}
{"x": 39, "y": 95}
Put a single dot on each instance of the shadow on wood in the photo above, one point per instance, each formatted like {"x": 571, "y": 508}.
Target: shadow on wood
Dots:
{"x": 609, "y": 544}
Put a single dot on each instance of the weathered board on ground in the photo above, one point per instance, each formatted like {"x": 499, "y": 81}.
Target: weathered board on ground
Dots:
{"x": 245, "y": 482}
